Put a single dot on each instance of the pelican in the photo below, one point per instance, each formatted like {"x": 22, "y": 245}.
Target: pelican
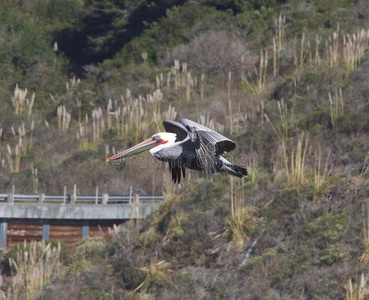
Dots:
{"x": 188, "y": 144}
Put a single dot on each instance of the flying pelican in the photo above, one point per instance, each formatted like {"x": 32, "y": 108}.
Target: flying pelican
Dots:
{"x": 188, "y": 145}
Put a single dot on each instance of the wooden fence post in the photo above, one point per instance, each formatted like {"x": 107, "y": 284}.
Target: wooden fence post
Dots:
{"x": 74, "y": 196}
{"x": 10, "y": 198}
{"x": 105, "y": 199}
{"x": 41, "y": 198}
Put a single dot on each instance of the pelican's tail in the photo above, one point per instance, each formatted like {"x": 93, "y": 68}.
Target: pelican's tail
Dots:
{"x": 226, "y": 166}
{"x": 237, "y": 171}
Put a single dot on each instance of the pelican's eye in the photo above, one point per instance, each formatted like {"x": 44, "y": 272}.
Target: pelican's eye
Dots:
{"x": 157, "y": 138}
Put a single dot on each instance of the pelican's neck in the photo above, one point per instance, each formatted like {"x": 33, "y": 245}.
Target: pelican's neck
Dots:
{"x": 168, "y": 138}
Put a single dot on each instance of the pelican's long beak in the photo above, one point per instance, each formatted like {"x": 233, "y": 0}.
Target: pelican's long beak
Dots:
{"x": 141, "y": 147}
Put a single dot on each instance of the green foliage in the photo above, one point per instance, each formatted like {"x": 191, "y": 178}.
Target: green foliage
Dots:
{"x": 57, "y": 14}
{"x": 187, "y": 21}
{"x": 268, "y": 253}
{"x": 286, "y": 202}
{"x": 27, "y": 57}
{"x": 253, "y": 22}
{"x": 89, "y": 248}
{"x": 325, "y": 230}
{"x": 64, "y": 255}
{"x": 349, "y": 123}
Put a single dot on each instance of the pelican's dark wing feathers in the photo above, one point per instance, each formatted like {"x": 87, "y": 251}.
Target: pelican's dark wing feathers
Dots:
{"x": 208, "y": 144}
{"x": 177, "y": 128}
{"x": 177, "y": 170}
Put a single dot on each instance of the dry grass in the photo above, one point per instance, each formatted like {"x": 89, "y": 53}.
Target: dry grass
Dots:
{"x": 336, "y": 105}
{"x": 33, "y": 267}
{"x": 64, "y": 118}
{"x": 157, "y": 273}
{"x": 14, "y": 158}
{"x": 280, "y": 24}
{"x": 357, "y": 291}
{"x": 242, "y": 220}
{"x": 365, "y": 216}
{"x": 354, "y": 47}
{"x": 339, "y": 49}
{"x": 287, "y": 120}
{"x": 258, "y": 86}
{"x": 290, "y": 166}
{"x": 21, "y": 103}
{"x": 229, "y": 101}
{"x": 364, "y": 169}
{"x": 34, "y": 172}
{"x": 321, "y": 169}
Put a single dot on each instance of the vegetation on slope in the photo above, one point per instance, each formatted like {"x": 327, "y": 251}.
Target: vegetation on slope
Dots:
{"x": 287, "y": 80}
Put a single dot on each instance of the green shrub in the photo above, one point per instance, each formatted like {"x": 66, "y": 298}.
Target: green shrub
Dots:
{"x": 325, "y": 230}
{"x": 89, "y": 248}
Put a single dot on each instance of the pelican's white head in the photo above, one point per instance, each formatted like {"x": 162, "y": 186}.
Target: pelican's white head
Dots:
{"x": 166, "y": 139}
{"x": 154, "y": 144}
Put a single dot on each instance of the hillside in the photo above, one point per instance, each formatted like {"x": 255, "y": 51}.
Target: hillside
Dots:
{"x": 287, "y": 80}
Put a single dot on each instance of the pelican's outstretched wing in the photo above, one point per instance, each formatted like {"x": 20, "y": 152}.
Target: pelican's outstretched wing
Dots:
{"x": 208, "y": 144}
{"x": 177, "y": 128}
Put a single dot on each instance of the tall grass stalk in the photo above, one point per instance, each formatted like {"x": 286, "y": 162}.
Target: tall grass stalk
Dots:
{"x": 258, "y": 86}
{"x": 317, "y": 51}
{"x": 263, "y": 70}
{"x": 175, "y": 72}
{"x": 202, "y": 87}
{"x": 10, "y": 159}
{"x": 302, "y": 43}
{"x": 365, "y": 217}
{"x": 297, "y": 162}
{"x": 79, "y": 108}
{"x": 280, "y": 22}
{"x": 64, "y": 118}
{"x": 242, "y": 220}
{"x": 189, "y": 86}
{"x": 21, "y": 103}
{"x": 183, "y": 75}
{"x": 286, "y": 116}
{"x": 14, "y": 159}
{"x": 229, "y": 101}
{"x": 364, "y": 169}
{"x": 336, "y": 105}
{"x": 260, "y": 112}
{"x": 357, "y": 291}
{"x": 321, "y": 169}
{"x": 291, "y": 163}
{"x": 34, "y": 172}
{"x": 31, "y": 134}
{"x": 73, "y": 82}
{"x": 252, "y": 169}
